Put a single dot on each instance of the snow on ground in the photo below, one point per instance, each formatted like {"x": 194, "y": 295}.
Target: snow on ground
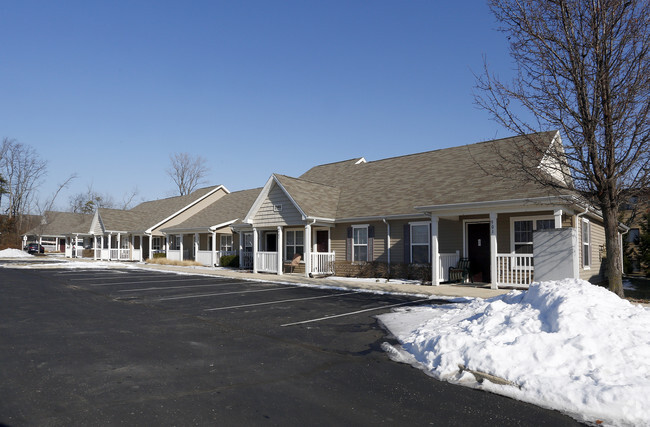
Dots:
{"x": 14, "y": 253}
{"x": 566, "y": 345}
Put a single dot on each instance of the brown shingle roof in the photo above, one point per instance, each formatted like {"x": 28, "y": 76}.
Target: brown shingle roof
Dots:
{"x": 62, "y": 223}
{"x": 315, "y": 199}
{"x": 232, "y": 206}
{"x": 158, "y": 210}
{"x": 394, "y": 186}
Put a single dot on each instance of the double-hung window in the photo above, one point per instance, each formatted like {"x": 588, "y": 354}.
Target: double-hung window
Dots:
{"x": 294, "y": 243}
{"x": 586, "y": 244}
{"x": 360, "y": 243}
{"x": 522, "y": 231}
{"x": 226, "y": 243}
{"x": 155, "y": 243}
{"x": 248, "y": 242}
{"x": 420, "y": 243}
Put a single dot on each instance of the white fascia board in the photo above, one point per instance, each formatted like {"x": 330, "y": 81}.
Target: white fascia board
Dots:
{"x": 264, "y": 194}
{"x": 258, "y": 201}
{"x": 382, "y": 217}
{"x": 319, "y": 219}
{"x": 519, "y": 205}
{"x": 223, "y": 224}
{"x": 304, "y": 215}
{"x": 209, "y": 193}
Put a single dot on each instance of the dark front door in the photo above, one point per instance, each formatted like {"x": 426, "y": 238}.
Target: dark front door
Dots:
{"x": 271, "y": 242}
{"x": 322, "y": 240}
{"x": 478, "y": 251}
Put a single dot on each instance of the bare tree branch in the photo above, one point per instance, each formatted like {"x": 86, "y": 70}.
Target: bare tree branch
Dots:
{"x": 187, "y": 172}
{"x": 582, "y": 68}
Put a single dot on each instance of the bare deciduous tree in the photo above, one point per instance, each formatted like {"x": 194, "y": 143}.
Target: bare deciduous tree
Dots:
{"x": 187, "y": 172}
{"x": 22, "y": 169}
{"x": 89, "y": 201}
{"x": 582, "y": 68}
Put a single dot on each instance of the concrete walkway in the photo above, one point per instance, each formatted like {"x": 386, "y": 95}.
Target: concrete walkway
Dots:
{"x": 469, "y": 290}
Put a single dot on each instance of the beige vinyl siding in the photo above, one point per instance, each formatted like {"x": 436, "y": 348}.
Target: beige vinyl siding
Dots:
{"x": 450, "y": 239}
{"x": 595, "y": 273}
{"x": 267, "y": 217}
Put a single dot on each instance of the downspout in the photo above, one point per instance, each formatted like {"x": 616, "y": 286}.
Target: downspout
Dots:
{"x": 387, "y": 242}
{"x": 576, "y": 258}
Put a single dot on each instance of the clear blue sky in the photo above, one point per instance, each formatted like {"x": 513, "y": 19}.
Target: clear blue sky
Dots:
{"x": 109, "y": 89}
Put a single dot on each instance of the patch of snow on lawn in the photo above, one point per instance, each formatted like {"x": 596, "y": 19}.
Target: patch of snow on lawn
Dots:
{"x": 14, "y": 253}
{"x": 566, "y": 345}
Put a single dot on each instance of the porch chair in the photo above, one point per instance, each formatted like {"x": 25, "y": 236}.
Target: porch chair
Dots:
{"x": 294, "y": 262}
{"x": 460, "y": 273}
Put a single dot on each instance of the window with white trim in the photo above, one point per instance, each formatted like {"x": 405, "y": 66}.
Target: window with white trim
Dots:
{"x": 360, "y": 243}
{"x": 586, "y": 244}
{"x": 522, "y": 233}
{"x": 294, "y": 244}
{"x": 156, "y": 244}
{"x": 175, "y": 242}
{"x": 248, "y": 242}
{"x": 226, "y": 242}
{"x": 420, "y": 251}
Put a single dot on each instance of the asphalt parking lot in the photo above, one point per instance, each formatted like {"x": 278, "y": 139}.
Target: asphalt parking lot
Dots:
{"x": 139, "y": 347}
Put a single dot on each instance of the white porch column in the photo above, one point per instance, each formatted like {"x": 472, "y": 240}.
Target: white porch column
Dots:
{"x": 180, "y": 237}
{"x": 308, "y": 249}
{"x": 109, "y": 247}
{"x": 24, "y": 241}
{"x": 557, "y": 215}
{"x": 151, "y": 246}
{"x": 215, "y": 261}
{"x": 493, "y": 250}
{"x": 241, "y": 247}
{"x": 435, "y": 252}
{"x": 196, "y": 245}
{"x": 119, "y": 246}
{"x": 166, "y": 246}
{"x": 133, "y": 246}
{"x": 279, "y": 252}
{"x": 76, "y": 244}
{"x": 255, "y": 242}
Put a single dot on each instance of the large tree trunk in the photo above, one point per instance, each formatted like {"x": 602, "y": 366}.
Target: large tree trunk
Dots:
{"x": 613, "y": 245}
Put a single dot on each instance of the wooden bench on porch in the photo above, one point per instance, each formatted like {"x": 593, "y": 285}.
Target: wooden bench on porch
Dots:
{"x": 460, "y": 273}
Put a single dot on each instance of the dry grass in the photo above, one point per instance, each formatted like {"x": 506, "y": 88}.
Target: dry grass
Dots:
{"x": 165, "y": 261}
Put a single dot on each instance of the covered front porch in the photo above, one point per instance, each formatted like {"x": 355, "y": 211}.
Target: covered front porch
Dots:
{"x": 118, "y": 247}
{"x": 304, "y": 249}
{"x": 204, "y": 248}
{"x": 499, "y": 244}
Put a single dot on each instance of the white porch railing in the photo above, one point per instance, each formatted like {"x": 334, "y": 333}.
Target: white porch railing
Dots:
{"x": 444, "y": 262}
{"x": 121, "y": 254}
{"x": 515, "y": 270}
{"x": 247, "y": 260}
{"x": 267, "y": 262}
{"x": 322, "y": 263}
{"x": 204, "y": 257}
{"x": 227, "y": 253}
{"x": 174, "y": 255}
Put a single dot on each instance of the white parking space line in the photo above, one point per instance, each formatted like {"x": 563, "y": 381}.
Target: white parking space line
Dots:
{"x": 149, "y": 281}
{"x": 279, "y": 302}
{"x": 224, "y": 293}
{"x": 353, "y": 313}
{"x": 158, "y": 288}
{"x": 117, "y": 277}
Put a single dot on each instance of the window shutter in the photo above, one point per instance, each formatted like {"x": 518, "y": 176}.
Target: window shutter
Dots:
{"x": 371, "y": 242}
{"x": 348, "y": 245}
{"x": 407, "y": 243}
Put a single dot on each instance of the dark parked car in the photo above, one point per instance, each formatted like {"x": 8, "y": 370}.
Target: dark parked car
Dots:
{"x": 35, "y": 248}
